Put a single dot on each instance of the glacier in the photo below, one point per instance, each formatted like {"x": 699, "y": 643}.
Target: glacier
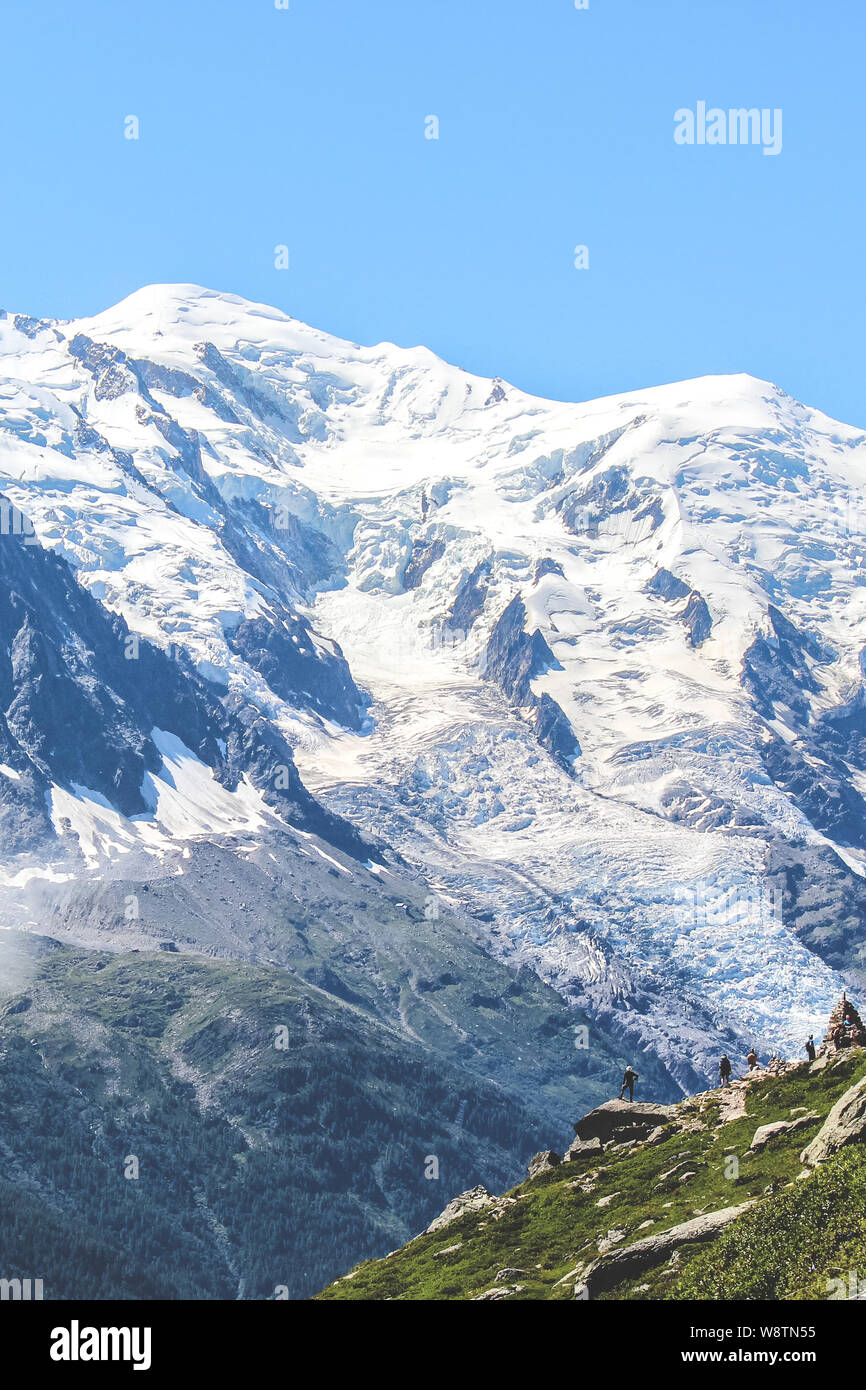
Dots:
{"x": 592, "y": 673}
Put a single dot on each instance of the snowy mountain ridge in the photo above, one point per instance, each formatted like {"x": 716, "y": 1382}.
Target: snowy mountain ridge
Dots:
{"x": 594, "y": 671}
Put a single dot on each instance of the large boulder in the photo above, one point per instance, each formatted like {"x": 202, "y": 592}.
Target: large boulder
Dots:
{"x": 765, "y": 1133}
{"x": 617, "y": 1265}
{"x": 544, "y": 1162}
{"x": 619, "y": 1120}
{"x": 584, "y": 1148}
{"x": 846, "y": 1124}
{"x": 476, "y": 1199}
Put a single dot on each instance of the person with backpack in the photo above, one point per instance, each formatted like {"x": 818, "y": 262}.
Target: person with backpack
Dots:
{"x": 628, "y": 1080}
{"x": 724, "y": 1069}
{"x": 752, "y": 1059}
{"x": 810, "y": 1047}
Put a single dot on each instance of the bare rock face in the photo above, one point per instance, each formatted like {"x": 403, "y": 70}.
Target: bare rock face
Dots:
{"x": 620, "y": 1120}
{"x": 513, "y": 659}
{"x": 584, "y": 1148}
{"x": 846, "y": 1124}
{"x": 619, "y": 1264}
{"x": 543, "y": 1162}
{"x": 81, "y": 699}
{"x": 476, "y": 1199}
{"x": 765, "y": 1133}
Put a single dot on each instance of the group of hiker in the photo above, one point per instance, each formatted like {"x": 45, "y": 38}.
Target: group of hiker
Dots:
{"x": 846, "y": 1030}
{"x": 753, "y": 1061}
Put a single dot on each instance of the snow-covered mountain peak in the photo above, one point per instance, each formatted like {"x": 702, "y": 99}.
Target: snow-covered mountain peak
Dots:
{"x": 575, "y": 660}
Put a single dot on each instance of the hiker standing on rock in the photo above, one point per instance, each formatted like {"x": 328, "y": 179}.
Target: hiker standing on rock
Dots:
{"x": 724, "y": 1069}
{"x": 810, "y": 1047}
{"x": 752, "y": 1059}
{"x": 628, "y": 1080}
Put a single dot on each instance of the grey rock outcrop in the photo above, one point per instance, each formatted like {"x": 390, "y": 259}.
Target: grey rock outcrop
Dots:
{"x": 612, "y": 1268}
{"x": 695, "y": 617}
{"x": 475, "y": 1199}
{"x": 81, "y": 697}
{"x": 281, "y": 646}
{"x": 513, "y": 658}
{"x": 619, "y": 1120}
{"x": 584, "y": 1148}
{"x": 765, "y": 1133}
{"x": 470, "y": 598}
{"x": 846, "y": 1124}
{"x": 544, "y": 1162}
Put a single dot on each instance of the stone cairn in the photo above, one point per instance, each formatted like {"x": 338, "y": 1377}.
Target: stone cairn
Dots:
{"x": 845, "y": 1028}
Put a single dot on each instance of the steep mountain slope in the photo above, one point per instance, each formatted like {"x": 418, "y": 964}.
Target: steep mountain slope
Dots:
{"x": 274, "y": 1127}
{"x": 593, "y": 671}
{"x": 88, "y": 707}
{"x": 712, "y": 1203}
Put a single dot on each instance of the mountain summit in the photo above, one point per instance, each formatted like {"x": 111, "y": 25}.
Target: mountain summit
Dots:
{"x": 590, "y": 674}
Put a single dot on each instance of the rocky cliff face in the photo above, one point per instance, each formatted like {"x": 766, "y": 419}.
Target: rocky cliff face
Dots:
{"x": 82, "y": 701}
{"x": 514, "y": 659}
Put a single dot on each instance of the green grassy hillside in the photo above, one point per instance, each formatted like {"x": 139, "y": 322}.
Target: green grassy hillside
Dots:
{"x": 539, "y": 1239}
{"x": 258, "y": 1167}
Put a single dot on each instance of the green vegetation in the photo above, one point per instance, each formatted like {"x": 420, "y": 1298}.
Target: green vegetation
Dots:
{"x": 798, "y": 1235}
{"x": 791, "y": 1246}
{"x": 259, "y": 1166}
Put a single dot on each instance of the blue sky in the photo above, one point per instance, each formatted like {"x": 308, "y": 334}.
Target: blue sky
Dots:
{"x": 305, "y": 127}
